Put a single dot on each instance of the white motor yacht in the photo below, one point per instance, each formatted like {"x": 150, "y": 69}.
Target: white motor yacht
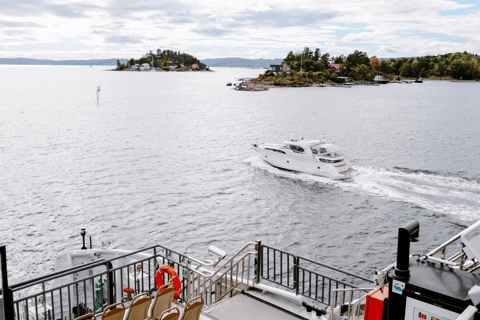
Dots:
{"x": 309, "y": 156}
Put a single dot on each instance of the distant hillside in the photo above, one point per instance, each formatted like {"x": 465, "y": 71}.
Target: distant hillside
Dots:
{"x": 240, "y": 62}
{"x": 94, "y": 62}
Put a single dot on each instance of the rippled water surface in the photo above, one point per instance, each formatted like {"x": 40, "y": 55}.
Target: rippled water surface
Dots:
{"x": 165, "y": 158}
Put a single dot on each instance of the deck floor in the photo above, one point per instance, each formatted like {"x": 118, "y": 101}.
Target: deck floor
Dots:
{"x": 242, "y": 307}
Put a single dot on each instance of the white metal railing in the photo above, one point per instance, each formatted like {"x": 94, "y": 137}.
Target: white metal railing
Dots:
{"x": 214, "y": 285}
{"x": 353, "y": 306}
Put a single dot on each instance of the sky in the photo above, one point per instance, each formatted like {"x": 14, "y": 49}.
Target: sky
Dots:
{"x": 103, "y": 29}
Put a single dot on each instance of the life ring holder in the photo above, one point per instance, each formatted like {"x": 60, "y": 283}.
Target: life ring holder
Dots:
{"x": 174, "y": 278}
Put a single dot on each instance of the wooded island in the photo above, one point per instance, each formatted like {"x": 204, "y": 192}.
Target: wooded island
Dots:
{"x": 310, "y": 67}
{"x": 166, "y": 60}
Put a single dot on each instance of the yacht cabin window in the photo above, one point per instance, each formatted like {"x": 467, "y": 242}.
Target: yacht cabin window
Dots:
{"x": 314, "y": 151}
{"x": 297, "y": 149}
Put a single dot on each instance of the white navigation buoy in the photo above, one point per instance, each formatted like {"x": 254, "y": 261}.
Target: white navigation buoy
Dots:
{"x": 98, "y": 90}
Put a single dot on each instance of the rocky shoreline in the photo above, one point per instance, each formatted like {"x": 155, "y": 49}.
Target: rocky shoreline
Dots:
{"x": 252, "y": 85}
{"x": 249, "y": 84}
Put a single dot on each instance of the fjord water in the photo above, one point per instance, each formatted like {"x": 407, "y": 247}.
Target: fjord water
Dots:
{"x": 165, "y": 158}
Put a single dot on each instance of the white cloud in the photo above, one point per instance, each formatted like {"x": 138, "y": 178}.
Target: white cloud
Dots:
{"x": 260, "y": 8}
{"x": 115, "y": 28}
{"x": 387, "y": 50}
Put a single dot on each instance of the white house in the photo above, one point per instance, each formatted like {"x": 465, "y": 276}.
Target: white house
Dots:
{"x": 279, "y": 68}
{"x": 143, "y": 66}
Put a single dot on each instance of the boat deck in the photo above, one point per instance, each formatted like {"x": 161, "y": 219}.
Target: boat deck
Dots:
{"x": 240, "y": 307}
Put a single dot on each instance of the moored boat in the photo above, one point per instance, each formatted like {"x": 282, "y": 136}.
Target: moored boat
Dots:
{"x": 309, "y": 156}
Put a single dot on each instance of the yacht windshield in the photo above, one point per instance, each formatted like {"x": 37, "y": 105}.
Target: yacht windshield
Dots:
{"x": 331, "y": 150}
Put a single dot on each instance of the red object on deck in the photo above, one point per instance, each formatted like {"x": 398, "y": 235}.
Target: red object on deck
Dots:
{"x": 374, "y": 304}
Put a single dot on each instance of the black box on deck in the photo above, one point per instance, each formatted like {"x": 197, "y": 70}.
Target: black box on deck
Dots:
{"x": 433, "y": 291}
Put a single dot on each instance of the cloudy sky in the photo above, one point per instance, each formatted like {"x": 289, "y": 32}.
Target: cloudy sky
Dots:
{"x": 98, "y": 29}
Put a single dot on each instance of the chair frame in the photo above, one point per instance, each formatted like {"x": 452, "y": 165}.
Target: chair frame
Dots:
{"x": 111, "y": 307}
{"x": 191, "y": 304}
{"x": 88, "y": 316}
{"x": 137, "y": 298}
{"x": 159, "y": 293}
{"x": 167, "y": 314}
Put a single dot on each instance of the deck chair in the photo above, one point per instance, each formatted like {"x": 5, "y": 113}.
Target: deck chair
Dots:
{"x": 170, "y": 314}
{"x": 161, "y": 302}
{"x": 192, "y": 309}
{"x": 89, "y": 316}
{"x": 114, "y": 312}
{"x": 139, "y": 307}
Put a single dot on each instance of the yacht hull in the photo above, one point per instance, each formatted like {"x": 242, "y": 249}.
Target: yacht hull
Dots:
{"x": 296, "y": 163}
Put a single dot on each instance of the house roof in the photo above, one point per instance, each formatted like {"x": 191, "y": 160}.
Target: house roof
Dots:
{"x": 337, "y": 65}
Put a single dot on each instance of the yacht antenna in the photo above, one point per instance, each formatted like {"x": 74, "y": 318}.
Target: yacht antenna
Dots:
{"x": 325, "y": 135}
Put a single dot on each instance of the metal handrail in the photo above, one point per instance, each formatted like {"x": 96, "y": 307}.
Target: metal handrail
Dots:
{"x": 90, "y": 277}
{"x": 231, "y": 270}
{"x": 351, "y": 307}
{"x": 107, "y": 275}
{"x": 205, "y": 280}
{"x": 444, "y": 245}
{"x": 336, "y": 269}
{"x": 339, "y": 281}
{"x": 207, "y": 284}
{"x": 42, "y": 279}
{"x": 229, "y": 261}
{"x": 95, "y": 264}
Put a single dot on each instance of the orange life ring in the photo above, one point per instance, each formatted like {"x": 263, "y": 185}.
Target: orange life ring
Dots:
{"x": 175, "y": 279}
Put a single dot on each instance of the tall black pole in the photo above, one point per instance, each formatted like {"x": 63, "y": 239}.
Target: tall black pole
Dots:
{"x": 396, "y": 297}
{"x": 7, "y": 292}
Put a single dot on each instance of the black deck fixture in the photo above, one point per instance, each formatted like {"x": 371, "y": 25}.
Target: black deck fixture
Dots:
{"x": 406, "y": 234}
{"x": 396, "y": 302}
{"x": 83, "y": 233}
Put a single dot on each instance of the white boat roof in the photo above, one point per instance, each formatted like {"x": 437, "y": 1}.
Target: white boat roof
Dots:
{"x": 308, "y": 143}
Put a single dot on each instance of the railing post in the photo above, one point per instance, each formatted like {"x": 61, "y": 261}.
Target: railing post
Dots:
{"x": 259, "y": 262}
{"x": 296, "y": 274}
{"x": 110, "y": 283}
{"x": 155, "y": 268}
{"x": 7, "y": 292}
{"x": 189, "y": 286}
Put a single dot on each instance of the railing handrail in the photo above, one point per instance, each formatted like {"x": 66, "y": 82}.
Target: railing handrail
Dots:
{"x": 320, "y": 264}
{"x": 229, "y": 261}
{"x": 23, "y": 285}
{"x": 444, "y": 245}
{"x": 225, "y": 273}
{"x": 92, "y": 265}
{"x": 90, "y": 277}
{"x": 352, "y": 289}
{"x": 339, "y": 281}
{"x": 334, "y": 269}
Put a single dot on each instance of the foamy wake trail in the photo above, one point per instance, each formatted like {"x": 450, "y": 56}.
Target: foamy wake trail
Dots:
{"x": 447, "y": 195}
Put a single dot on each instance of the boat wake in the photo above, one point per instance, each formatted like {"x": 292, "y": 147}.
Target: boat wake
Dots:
{"x": 429, "y": 190}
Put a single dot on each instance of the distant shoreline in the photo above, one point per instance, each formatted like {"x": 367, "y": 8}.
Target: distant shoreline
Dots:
{"x": 255, "y": 85}
{"x": 152, "y": 70}
{"x": 45, "y": 62}
{"x": 212, "y": 63}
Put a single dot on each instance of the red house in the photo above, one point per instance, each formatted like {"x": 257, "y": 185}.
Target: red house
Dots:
{"x": 338, "y": 68}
